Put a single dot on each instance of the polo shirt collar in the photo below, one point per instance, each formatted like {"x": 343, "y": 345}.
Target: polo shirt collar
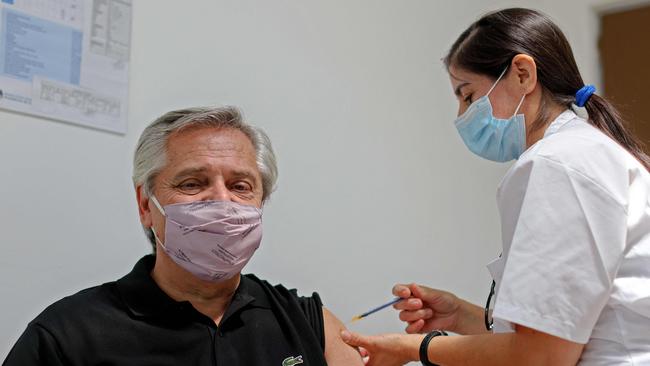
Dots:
{"x": 144, "y": 298}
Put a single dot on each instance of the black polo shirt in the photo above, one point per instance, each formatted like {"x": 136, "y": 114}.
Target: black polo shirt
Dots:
{"x": 133, "y": 322}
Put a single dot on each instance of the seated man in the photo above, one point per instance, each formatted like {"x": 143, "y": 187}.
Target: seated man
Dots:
{"x": 201, "y": 176}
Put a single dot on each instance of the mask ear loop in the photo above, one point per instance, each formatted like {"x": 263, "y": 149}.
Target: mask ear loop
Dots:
{"x": 496, "y": 82}
{"x": 158, "y": 240}
{"x": 519, "y": 105}
{"x": 157, "y": 204}
{"x": 495, "y": 85}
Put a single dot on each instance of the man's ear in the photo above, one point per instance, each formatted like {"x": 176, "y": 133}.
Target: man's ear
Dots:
{"x": 525, "y": 72}
{"x": 143, "y": 207}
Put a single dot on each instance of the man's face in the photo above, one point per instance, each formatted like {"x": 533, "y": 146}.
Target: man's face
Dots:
{"x": 204, "y": 163}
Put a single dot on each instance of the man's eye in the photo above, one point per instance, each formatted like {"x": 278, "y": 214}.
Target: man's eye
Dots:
{"x": 190, "y": 185}
{"x": 468, "y": 98}
{"x": 241, "y": 187}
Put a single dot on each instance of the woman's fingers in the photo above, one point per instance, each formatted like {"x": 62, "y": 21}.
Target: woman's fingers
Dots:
{"x": 365, "y": 355}
{"x": 411, "y": 316}
{"x": 414, "y": 295}
{"x": 408, "y": 303}
{"x": 363, "y": 352}
{"x": 402, "y": 291}
{"x": 415, "y": 327}
{"x": 411, "y": 304}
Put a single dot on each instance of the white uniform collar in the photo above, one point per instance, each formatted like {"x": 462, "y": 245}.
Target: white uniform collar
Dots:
{"x": 560, "y": 121}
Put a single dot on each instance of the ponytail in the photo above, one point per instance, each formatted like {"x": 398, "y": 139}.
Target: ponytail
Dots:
{"x": 606, "y": 118}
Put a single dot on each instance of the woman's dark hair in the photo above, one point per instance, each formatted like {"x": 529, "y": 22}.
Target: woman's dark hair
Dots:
{"x": 488, "y": 46}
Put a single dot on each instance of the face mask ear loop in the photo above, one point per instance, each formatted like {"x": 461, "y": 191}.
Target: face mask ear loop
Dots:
{"x": 496, "y": 82}
{"x": 519, "y": 105}
{"x": 158, "y": 240}
{"x": 157, "y": 204}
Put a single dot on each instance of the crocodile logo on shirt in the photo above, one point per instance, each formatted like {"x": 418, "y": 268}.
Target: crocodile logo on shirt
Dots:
{"x": 291, "y": 361}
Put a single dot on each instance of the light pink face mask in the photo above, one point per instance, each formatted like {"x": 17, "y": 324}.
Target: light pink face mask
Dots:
{"x": 213, "y": 240}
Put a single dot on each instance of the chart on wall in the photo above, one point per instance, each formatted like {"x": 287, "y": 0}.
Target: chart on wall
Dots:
{"x": 66, "y": 60}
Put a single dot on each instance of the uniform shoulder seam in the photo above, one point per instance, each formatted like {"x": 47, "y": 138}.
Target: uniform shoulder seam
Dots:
{"x": 587, "y": 178}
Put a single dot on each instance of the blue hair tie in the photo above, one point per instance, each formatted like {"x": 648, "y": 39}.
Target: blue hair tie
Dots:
{"x": 583, "y": 95}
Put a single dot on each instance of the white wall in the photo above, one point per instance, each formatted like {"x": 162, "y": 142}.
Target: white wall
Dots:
{"x": 375, "y": 188}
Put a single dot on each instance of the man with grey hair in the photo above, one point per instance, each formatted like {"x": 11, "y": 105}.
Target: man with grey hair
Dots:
{"x": 201, "y": 177}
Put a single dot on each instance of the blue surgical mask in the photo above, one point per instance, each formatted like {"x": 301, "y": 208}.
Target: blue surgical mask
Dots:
{"x": 490, "y": 137}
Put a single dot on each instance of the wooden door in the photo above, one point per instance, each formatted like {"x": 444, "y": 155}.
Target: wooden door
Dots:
{"x": 625, "y": 55}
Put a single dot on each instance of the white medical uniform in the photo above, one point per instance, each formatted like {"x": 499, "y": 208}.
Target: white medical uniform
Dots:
{"x": 575, "y": 212}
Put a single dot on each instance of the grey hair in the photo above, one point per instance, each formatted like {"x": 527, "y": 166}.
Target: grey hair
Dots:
{"x": 150, "y": 153}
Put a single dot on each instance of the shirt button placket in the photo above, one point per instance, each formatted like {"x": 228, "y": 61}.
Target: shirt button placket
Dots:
{"x": 213, "y": 336}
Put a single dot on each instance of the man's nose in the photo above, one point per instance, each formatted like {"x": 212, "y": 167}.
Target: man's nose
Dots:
{"x": 219, "y": 192}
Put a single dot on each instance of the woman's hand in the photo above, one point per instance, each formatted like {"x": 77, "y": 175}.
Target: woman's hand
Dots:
{"x": 426, "y": 309}
{"x": 386, "y": 349}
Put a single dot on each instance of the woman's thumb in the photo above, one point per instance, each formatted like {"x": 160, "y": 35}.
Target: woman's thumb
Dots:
{"x": 421, "y": 293}
{"x": 353, "y": 339}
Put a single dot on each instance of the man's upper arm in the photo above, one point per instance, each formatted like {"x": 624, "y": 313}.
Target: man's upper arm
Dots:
{"x": 338, "y": 352}
{"x": 36, "y": 346}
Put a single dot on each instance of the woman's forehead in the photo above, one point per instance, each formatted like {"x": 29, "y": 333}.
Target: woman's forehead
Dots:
{"x": 461, "y": 75}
